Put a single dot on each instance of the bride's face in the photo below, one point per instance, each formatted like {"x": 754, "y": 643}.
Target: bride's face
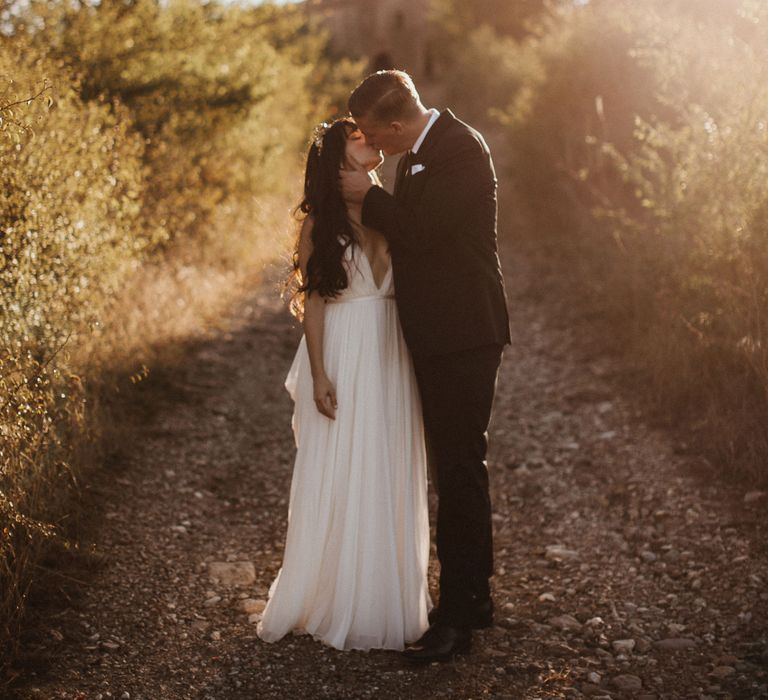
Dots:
{"x": 359, "y": 153}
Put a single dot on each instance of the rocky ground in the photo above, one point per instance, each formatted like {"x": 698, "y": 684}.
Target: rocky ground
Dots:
{"x": 623, "y": 570}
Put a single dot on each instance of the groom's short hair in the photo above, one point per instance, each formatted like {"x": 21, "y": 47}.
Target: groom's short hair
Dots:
{"x": 385, "y": 96}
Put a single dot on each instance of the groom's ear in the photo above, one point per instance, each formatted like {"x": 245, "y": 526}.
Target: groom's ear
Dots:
{"x": 397, "y": 127}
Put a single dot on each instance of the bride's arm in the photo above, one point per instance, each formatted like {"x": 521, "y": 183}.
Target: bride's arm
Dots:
{"x": 314, "y": 322}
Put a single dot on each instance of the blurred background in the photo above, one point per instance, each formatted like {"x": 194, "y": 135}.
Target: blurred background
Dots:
{"x": 151, "y": 156}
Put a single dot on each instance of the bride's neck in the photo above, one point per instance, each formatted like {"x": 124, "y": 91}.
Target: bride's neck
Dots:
{"x": 355, "y": 212}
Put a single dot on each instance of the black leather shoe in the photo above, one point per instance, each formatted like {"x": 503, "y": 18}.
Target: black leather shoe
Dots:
{"x": 439, "y": 643}
{"x": 481, "y": 618}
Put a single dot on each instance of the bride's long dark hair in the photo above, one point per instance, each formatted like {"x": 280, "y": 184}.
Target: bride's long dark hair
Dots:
{"x": 331, "y": 232}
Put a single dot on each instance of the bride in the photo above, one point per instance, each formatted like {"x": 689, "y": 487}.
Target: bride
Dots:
{"x": 354, "y": 569}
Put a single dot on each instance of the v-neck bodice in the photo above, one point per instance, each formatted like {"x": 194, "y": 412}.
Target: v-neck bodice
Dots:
{"x": 360, "y": 281}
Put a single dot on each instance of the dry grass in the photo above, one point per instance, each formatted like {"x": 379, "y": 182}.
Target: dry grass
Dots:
{"x": 148, "y": 166}
{"x": 164, "y": 305}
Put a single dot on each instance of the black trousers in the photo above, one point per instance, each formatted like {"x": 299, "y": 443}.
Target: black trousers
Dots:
{"x": 457, "y": 395}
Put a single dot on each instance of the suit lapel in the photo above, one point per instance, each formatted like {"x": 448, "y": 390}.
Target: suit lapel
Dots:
{"x": 430, "y": 142}
{"x": 433, "y": 135}
{"x": 400, "y": 175}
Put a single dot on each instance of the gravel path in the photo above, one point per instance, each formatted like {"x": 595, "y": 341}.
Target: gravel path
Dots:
{"x": 622, "y": 572}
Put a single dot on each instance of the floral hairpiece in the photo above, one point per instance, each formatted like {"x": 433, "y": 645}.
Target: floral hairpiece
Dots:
{"x": 318, "y": 134}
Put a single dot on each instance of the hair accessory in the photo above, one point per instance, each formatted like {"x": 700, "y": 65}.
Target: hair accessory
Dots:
{"x": 318, "y": 134}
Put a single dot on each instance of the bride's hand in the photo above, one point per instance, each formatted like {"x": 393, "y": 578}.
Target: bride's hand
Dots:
{"x": 325, "y": 397}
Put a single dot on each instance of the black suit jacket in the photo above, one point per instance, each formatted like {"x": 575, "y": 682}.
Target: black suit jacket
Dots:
{"x": 441, "y": 228}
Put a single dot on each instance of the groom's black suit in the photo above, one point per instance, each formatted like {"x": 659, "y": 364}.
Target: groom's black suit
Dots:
{"x": 441, "y": 227}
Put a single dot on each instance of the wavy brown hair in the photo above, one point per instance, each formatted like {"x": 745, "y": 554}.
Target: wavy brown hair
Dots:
{"x": 332, "y": 232}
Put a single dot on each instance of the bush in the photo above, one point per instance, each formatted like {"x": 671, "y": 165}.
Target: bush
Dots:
{"x": 150, "y": 155}
{"x": 636, "y": 136}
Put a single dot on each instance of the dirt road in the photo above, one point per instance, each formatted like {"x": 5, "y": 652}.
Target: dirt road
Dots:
{"x": 620, "y": 571}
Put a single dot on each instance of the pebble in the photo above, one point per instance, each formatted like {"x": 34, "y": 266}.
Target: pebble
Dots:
{"x": 627, "y": 682}
{"x": 623, "y": 645}
{"x": 565, "y": 622}
{"x": 675, "y": 643}
{"x": 559, "y": 552}
{"x": 252, "y": 605}
{"x": 591, "y": 689}
{"x": 753, "y": 496}
{"x": 722, "y": 671}
{"x": 642, "y": 645}
{"x": 232, "y": 573}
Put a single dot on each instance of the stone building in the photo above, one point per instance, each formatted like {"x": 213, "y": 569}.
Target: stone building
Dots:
{"x": 389, "y": 33}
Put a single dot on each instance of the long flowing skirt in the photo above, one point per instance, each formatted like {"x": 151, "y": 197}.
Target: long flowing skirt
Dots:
{"x": 354, "y": 570}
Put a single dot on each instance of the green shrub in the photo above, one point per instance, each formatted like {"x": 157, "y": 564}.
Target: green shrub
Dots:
{"x": 636, "y": 138}
{"x": 150, "y": 155}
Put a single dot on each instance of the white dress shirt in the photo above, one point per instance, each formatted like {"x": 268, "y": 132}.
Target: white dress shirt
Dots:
{"x": 432, "y": 119}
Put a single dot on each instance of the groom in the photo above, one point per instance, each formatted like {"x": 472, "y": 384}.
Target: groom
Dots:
{"x": 441, "y": 227}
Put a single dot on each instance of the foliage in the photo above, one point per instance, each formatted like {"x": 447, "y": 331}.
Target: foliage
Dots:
{"x": 218, "y": 93}
{"x": 513, "y": 19}
{"x": 636, "y": 139}
{"x": 137, "y": 141}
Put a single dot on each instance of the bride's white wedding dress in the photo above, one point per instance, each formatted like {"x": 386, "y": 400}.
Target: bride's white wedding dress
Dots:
{"x": 354, "y": 570}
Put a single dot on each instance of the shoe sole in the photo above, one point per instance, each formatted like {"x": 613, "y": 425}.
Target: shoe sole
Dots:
{"x": 441, "y": 658}
{"x": 485, "y": 624}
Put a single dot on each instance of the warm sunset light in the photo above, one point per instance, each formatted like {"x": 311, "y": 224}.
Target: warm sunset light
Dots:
{"x": 388, "y": 349}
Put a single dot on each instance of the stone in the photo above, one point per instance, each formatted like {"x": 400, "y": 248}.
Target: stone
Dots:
{"x": 642, "y": 645}
{"x": 623, "y": 645}
{"x": 722, "y": 671}
{"x": 726, "y": 660}
{"x": 590, "y": 689}
{"x": 560, "y": 650}
{"x": 559, "y": 552}
{"x": 565, "y": 622}
{"x": 253, "y": 605}
{"x": 675, "y": 643}
{"x": 235, "y": 573}
{"x": 753, "y": 496}
{"x": 627, "y": 683}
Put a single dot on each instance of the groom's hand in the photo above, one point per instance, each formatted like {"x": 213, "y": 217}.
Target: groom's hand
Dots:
{"x": 355, "y": 183}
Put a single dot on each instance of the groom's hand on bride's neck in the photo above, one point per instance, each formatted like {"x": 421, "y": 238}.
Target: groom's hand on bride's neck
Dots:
{"x": 355, "y": 183}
